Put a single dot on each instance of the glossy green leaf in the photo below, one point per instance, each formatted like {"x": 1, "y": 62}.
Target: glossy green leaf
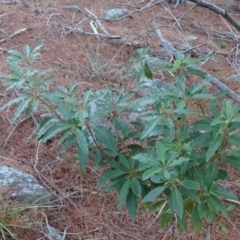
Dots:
{"x": 236, "y": 118}
{"x": 176, "y": 65}
{"x": 182, "y": 223}
{"x": 214, "y": 145}
{"x": 179, "y": 161}
{"x": 20, "y": 109}
{"x": 16, "y": 70}
{"x": 82, "y": 157}
{"x": 38, "y": 47}
{"x": 234, "y": 161}
{"x": 156, "y": 206}
{"x": 62, "y": 89}
{"x": 224, "y": 227}
{"x": 165, "y": 219}
{"x": 189, "y": 184}
{"x": 27, "y": 50}
{"x": 203, "y": 209}
{"x": 177, "y": 202}
{"x": 146, "y": 158}
{"x": 196, "y": 221}
{"x": 115, "y": 184}
{"x": 121, "y": 125}
{"x": 150, "y": 172}
{"x": 50, "y": 132}
{"x": 220, "y": 191}
{"x": 106, "y": 137}
{"x": 132, "y": 205}
{"x": 15, "y": 100}
{"x": 217, "y": 204}
{"x": 116, "y": 173}
{"x": 68, "y": 142}
{"x": 125, "y": 161}
{"x": 199, "y": 177}
{"x": 149, "y": 127}
{"x": 136, "y": 186}
{"x": 82, "y": 141}
{"x": 227, "y": 108}
{"x": 16, "y": 53}
{"x": 32, "y": 107}
{"x": 161, "y": 152}
{"x": 196, "y": 72}
{"x": 147, "y": 71}
{"x": 103, "y": 179}
{"x": 123, "y": 194}
{"x": 200, "y": 140}
{"x": 193, "y": 195}
{"x": 156, "y": 192}
{"x": 196, "y": 87}
{"x": 211, "y": 173}
{"x": 234, "y": 139}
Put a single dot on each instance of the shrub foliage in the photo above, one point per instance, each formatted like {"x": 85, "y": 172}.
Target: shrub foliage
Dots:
{"x": 170, "y": 157}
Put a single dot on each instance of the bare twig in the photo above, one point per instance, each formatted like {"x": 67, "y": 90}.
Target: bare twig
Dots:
{"x": 214, "y": 81}
{"x": 14, "y": 34}
{"x": 219, "y": 11}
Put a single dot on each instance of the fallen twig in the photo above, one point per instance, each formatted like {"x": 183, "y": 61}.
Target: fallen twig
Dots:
{"x": 14, "y": 34}
{"x": 214, "y": 81}
{"x": 219, "y": 11}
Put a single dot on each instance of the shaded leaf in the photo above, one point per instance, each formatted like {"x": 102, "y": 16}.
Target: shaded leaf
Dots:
{"x": 82, "y": 141}
{"x": 123, "y": 194}
{"x": 165, "y": 219}
{"x": 196, "y": 221}
{"x": 189, "y": 184}
{"x": 177, "y": 202}
{"x": 82, "y": 157}
{"x": 213, "y": 147}
{"x": 136, "y": 186}
{"x": 20, "y": 109}
{"x": 132, "y": 205}
{"x": 153, "y": 194}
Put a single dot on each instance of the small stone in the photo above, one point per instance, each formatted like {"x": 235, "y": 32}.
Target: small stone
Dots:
{"x": 191, "y": 38}
{"x": 116, "y": 13}
{"x": 25, "y": 187}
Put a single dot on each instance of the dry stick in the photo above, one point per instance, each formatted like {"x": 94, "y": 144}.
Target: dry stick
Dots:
{"x": 214, "y": 81}
{"x": 14, "y": 34}
{"x": 218, "y": 10}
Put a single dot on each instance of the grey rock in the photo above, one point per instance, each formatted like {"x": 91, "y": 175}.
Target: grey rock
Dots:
{"x": 116, "y": 13}
{"x": 52, "y": 233}
{"x": 25, "y": 187}
{"x": 183, "y": 47}
{"x": 191, "y": 38}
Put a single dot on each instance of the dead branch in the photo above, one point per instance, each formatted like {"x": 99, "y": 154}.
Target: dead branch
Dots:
{"x": 14, "y": 34}
{"x": 170, "y": 49}
{"x": 219, "y": 11}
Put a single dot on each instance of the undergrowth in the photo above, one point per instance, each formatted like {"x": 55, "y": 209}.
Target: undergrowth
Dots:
{"x": 169, "y": 158}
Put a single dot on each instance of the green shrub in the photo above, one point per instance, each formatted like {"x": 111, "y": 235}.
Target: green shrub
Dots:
{"x": 171, "y": 157}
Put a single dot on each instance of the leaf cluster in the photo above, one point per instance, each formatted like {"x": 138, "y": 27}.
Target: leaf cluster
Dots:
{"x": 171, "y": 162}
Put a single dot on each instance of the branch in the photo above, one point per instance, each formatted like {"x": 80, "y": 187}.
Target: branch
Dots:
{"x": 218, "y": 10}
{"x": 214, "y": 81}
